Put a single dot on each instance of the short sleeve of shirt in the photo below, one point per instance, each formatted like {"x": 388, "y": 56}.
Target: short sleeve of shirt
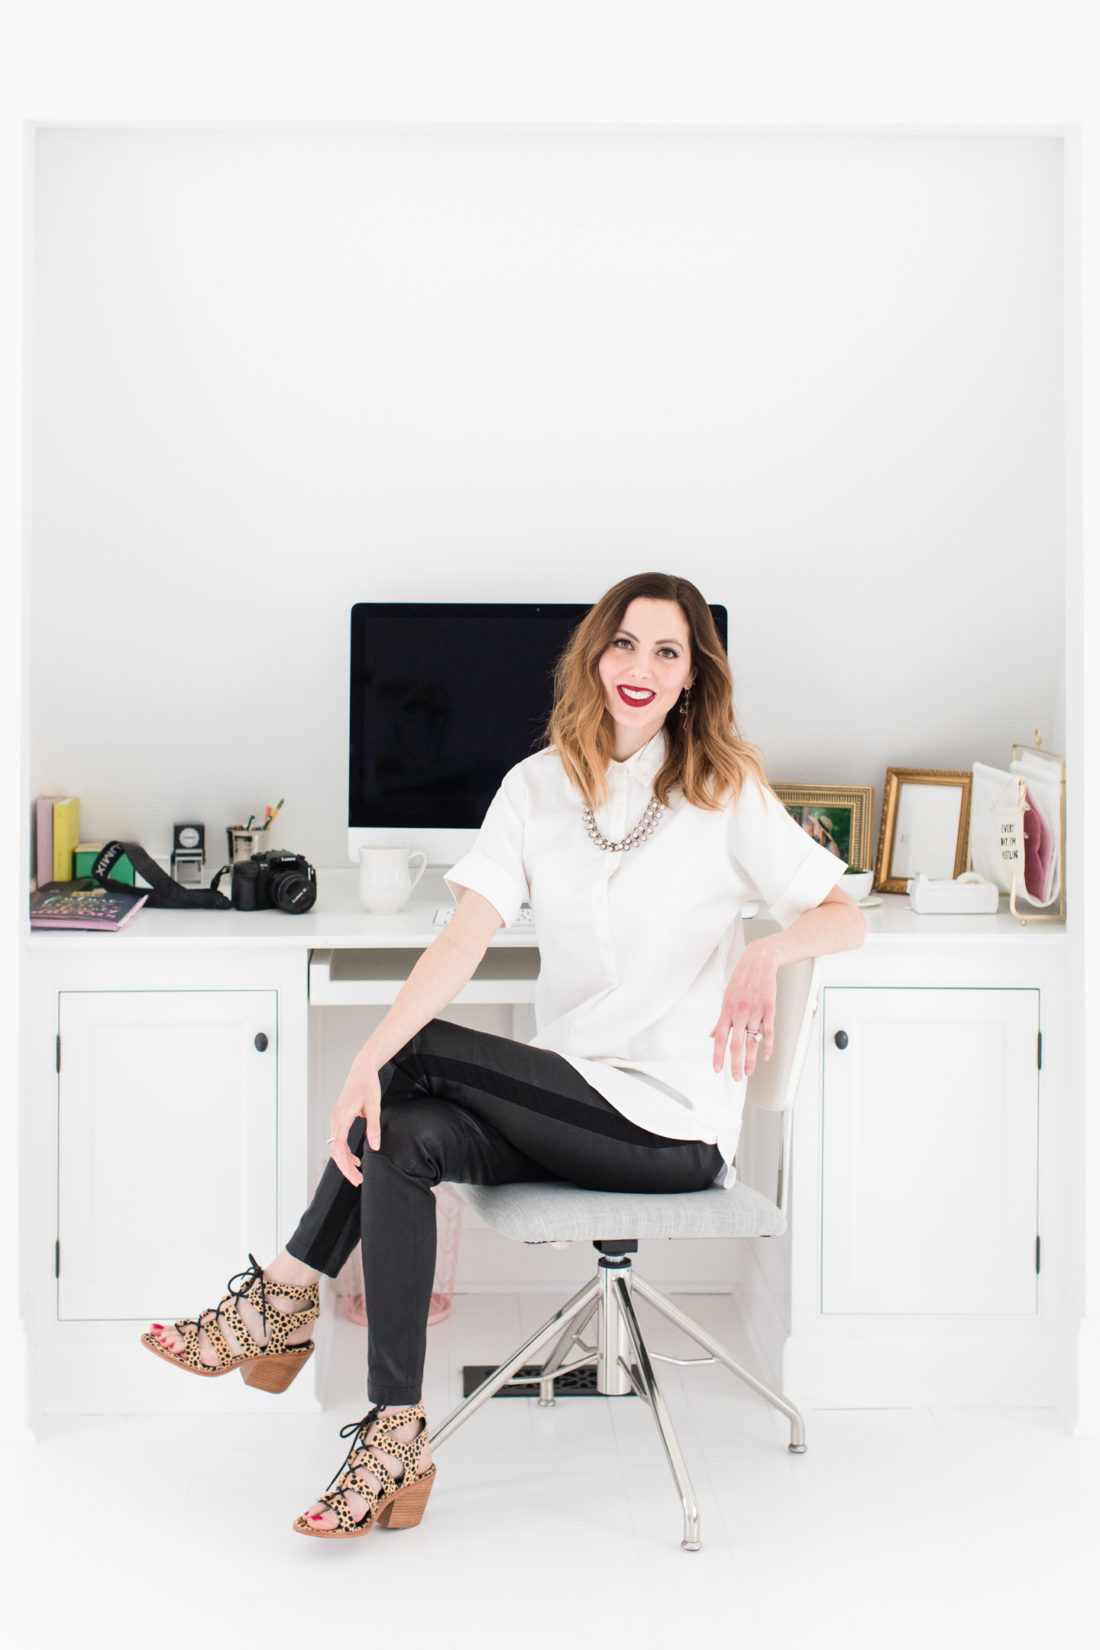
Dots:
{"x": 494, "y": 866}
{"x": 790, "y": 872}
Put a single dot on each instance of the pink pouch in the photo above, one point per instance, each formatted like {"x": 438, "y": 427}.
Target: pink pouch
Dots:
{"x": 1037, "y": 851}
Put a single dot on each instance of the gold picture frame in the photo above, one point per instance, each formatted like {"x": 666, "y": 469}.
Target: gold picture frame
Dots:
{"x": 839, "y": 817}
{"x": 925, "y": 826}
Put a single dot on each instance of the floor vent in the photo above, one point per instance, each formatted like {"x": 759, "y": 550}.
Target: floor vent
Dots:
{"x": 578, "y": 1383}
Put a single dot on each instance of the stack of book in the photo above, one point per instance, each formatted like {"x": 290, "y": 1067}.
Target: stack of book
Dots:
{"x": 59, "y": 856}
{"x": 64, "y": 894}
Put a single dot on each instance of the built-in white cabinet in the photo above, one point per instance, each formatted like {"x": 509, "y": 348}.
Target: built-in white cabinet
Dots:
{"x": 929, "y": 1223}
{"x": 166, "y": 1146}
{"x": 929, "y": 1150}
{"x": 164, "y": 1136}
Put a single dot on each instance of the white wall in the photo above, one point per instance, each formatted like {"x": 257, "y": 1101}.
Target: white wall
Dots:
{"x": 847, "y": 64}
{"x": 278, "y": 371}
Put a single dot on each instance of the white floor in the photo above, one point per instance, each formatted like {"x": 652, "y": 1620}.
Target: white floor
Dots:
{"x": 560, "y": 1527}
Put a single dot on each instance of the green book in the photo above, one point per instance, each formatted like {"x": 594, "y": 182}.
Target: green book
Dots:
{"x": 86, "y": 855}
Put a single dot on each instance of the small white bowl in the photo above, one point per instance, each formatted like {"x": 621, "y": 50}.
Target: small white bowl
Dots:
{"x": 857, "y": 884}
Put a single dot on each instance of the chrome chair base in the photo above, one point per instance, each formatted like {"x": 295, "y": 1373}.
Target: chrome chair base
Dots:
{"x": 623, "y": 1363}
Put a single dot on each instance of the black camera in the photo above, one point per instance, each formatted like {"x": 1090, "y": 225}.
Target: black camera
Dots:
{"x": 284, "y": 881}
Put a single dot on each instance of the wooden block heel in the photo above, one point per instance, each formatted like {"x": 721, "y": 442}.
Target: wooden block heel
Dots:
{"x": 269, "y": 1368}
{"x": 395, "y": 1503}
{"x": 407, "y": 1507}
{"x": 276, "y": 1373}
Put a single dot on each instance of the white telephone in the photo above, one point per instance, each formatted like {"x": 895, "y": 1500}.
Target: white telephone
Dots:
{"x": 968, "y": 893}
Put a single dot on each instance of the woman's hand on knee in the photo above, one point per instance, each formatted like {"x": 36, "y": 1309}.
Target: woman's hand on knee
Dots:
{"x": 361, "y": 1096}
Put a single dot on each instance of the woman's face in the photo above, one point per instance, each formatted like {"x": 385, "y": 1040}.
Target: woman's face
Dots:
{"x": 644, "y": 670}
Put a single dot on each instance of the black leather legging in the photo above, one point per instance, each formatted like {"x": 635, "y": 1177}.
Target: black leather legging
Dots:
{"x": 466, "y": 1106}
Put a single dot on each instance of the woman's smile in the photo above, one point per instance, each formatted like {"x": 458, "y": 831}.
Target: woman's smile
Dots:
{"x": 644, "y": 669}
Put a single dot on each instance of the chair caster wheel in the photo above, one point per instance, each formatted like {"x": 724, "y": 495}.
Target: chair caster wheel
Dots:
{"x": 548, "y": 1403}
{"x": 691, "y": 1546}
{"x": 797, "y": 1449}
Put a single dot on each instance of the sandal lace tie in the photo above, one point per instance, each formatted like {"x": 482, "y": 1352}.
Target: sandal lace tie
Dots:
{"x": 353, "y": 1431}
{"x": 252, "y": 1274}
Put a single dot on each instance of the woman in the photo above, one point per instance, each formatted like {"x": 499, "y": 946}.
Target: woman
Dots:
{"x": 637, "y": 835}
{"x": 821, "y": 829}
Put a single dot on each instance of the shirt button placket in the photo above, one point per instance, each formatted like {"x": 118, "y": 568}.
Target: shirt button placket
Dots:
{"x": 618, "y": 785}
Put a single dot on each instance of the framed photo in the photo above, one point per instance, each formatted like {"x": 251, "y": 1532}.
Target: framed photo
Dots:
{"x": 837, "y": 816}
{"x": 925, "y": 826}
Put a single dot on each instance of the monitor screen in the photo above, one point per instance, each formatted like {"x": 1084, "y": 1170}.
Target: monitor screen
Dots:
{"x": 445, "y": 698}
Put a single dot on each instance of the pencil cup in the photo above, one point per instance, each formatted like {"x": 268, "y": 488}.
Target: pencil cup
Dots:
{"x": 384, "y": 880}
{"x": 244, "y": 841}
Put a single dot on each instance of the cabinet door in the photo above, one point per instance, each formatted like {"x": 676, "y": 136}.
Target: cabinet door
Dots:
{"x": 930, "y": 1150}
{"x": 167, "y": 1149}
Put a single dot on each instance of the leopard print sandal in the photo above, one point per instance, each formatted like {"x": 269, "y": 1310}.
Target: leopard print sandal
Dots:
{"x": 398, "y": 1503}
{"x": 272, "y": 1367}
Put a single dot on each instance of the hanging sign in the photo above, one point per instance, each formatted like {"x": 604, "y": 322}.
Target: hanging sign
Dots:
{"x": 1008, "y": 826}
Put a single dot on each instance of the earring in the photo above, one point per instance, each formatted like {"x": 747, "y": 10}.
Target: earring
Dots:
{"x": 685, "y": 703}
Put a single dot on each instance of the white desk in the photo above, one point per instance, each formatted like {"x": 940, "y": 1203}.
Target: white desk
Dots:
{"x": 911, "y": 1149}
{"x": 338, "y": 920}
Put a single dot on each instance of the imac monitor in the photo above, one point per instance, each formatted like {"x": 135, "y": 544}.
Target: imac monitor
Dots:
{"x": 445, "y": 698}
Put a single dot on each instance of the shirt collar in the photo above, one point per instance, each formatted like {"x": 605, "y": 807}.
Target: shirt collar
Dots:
{"x": 646, "y": 763}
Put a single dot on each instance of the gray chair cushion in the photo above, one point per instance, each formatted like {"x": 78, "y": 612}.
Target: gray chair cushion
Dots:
{"x": 550, "y": 1211}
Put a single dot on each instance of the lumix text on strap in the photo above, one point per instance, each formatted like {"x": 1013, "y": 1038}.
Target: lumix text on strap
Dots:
{"x": 166, "y": 891}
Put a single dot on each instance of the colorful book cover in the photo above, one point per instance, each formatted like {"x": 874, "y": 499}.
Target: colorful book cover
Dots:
{"x": 66, "y": 835}
{"x": 86, "y": 855}
{"x": 82, "y": 904}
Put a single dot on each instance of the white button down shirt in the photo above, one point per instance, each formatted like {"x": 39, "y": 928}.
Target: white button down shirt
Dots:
{"x": 637, "y": 947}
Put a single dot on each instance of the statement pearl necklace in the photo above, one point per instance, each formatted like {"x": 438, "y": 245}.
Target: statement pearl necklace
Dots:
{"x": 645, "y": 827}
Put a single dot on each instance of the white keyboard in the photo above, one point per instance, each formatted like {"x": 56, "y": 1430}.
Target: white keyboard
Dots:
{"x": 444, "y": 913}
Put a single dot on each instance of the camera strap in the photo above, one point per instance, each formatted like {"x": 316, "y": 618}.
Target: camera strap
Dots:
{"x": 166, "y": 892}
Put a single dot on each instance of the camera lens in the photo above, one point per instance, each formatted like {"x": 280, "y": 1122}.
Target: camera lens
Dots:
{"x": 291, "y": 891}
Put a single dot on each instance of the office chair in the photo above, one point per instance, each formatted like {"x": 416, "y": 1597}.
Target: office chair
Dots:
{"x": 553, "y": 1212}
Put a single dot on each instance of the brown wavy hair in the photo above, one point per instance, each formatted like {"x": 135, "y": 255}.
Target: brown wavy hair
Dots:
{"x": 708, "y": 761}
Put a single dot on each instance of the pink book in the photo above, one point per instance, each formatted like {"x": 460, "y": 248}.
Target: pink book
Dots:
{"x": 43, "y": 839}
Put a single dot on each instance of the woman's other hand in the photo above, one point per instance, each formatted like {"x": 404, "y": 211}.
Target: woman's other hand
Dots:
{"x": 361, "y": 1096}
{"x": 748, "y": 1006}
{"x": 439, "y": 975}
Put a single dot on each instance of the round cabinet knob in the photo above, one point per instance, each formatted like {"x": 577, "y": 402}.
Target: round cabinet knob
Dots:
{"x": 260, "y": 1041}
{"x": 841, "y": 1039}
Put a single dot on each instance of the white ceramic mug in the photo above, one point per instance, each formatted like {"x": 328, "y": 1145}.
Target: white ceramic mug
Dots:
{"x": 384, "y": 880}
{"x": 857, "y": 884}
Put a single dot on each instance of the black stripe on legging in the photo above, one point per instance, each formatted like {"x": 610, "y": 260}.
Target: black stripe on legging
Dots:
{"x": 549, "y": 1103}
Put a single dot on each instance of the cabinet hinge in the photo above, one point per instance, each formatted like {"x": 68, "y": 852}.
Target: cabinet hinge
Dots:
{"x": 57, "y": 1055}
{"x": 57, "y": 1258}
{"x": 1040, "y": 1049}
{"x": 1037, "y": 1241}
